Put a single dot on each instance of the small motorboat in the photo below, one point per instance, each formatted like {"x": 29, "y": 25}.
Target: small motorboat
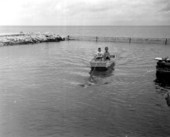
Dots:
{"x": 163, "y": 68}
{"x": 101, "y": 64}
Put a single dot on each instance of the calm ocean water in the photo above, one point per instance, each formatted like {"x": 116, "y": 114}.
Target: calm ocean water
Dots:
{"x": 45, "y": 89}
{"x": 115, "y": 31}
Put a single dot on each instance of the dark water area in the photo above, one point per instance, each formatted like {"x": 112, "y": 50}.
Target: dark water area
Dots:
{"x": 105, "y": 31}
{"x": 45, "y": 91}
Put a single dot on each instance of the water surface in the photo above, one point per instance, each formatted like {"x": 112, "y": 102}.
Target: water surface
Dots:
{"x": 105, "y": 31}
{"x": 41, "y": 92}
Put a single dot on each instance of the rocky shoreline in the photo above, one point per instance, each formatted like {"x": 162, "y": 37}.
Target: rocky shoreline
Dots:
{"x": 28, "y": 38}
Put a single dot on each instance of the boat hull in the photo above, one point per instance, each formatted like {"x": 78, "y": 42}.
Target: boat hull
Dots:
{"x": 163, "y": 74}
{"x": 100, "y": 65}
{"x": 163, "y": 69}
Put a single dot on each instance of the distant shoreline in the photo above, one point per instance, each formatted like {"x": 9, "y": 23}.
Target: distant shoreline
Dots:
{"x": 32, "y": 38}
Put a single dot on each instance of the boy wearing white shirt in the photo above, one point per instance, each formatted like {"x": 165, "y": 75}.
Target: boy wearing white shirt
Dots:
{"x": 99, "y": 54}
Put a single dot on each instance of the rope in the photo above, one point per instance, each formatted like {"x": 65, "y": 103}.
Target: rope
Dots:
{"x": 91, "y": 75}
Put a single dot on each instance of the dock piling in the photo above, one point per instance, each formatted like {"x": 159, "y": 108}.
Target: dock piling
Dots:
{"x": 166, "y": 41}
{"x": 96, "y": 39}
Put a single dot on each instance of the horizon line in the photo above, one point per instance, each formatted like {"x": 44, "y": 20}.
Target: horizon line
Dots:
{"x": 84, "y": 25}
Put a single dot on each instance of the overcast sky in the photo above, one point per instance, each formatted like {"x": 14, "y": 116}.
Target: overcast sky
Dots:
{"x": 84, "y": 12}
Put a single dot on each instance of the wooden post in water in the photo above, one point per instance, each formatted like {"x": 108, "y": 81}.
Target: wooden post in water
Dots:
{"x": 129, "y": 40}
{"x": 96, "y": 39}
{"x": 166, "y": 41}
{"x": 68, "y": 37}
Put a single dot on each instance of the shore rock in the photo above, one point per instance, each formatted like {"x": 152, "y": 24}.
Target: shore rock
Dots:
{"x": 28, "y": 38}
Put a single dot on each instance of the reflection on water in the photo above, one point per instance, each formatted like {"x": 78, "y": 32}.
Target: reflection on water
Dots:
{"x": 162, "y": 82}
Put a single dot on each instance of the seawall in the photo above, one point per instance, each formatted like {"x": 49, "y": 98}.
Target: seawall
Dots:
{"x": 28, "y": 38}
{"x": 162, "y": 41}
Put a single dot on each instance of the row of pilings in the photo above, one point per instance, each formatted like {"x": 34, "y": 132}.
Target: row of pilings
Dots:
{"x": 31, "y": 38}
{"x": 162, "y": 41}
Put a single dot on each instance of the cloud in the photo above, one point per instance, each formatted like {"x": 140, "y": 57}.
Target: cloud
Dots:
{"x": 165, "y": 5}
{"x": 84, "y": 12}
